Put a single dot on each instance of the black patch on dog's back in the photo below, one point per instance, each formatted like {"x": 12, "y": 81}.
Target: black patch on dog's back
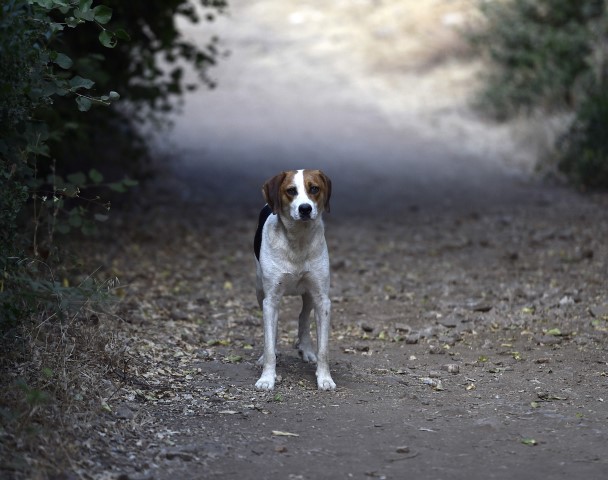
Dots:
{"x": 257, "y": 241}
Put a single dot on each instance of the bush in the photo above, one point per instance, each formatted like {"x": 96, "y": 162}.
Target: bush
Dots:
{"x": 148, "y": 72}
{"x": 56, "y": 345}
{"x": 584, "y": 157}
{"x": 537, "y": 50}
{"x": 549, "y": 56}
{"x": 54, "y": 158}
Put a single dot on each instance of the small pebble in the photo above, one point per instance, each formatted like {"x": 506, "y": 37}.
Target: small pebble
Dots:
{"x": 412, "y": 338}
{"x": 402, "y": 449}
{"x": 436, "y": 349}
{"x": 433, "y": 382}
{"x": 451, "y": 368}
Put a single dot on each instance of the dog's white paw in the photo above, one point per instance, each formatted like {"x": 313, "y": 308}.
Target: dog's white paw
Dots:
{"x": 307, "y": 353}
{"x": 266, "y": 382}
{"x": 325, "y": 383}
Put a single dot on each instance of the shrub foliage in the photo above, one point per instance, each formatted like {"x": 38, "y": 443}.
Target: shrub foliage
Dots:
{"x": 550, "y": 55}
{"x": 62, "y": 64}
{"x": 62, "y": 144}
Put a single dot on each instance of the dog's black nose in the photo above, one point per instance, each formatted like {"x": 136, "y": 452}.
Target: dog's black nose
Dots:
{"x": 305, "y": 209}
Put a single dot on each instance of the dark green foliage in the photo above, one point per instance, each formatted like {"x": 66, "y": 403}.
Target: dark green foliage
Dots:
{"x": 537, "y": 49}
{"x": 148, "y": 71}
{"x": 58, "y": 59}
{"x": 21, "y": 70}
{"x": 549, "y": 56}
{"x": 584, "y": 149}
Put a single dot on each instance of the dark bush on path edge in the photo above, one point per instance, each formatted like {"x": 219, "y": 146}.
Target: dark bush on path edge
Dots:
{"x": 65, "y": 143}
{"x": 66, "y": 140}
{"x": 550, "y": 56}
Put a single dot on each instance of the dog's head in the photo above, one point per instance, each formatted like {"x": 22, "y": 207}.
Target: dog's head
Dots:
{"x": 301, "y": 194}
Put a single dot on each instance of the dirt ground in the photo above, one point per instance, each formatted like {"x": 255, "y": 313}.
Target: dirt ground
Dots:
{"x": 514, "y": 297}
{"x": 469, "y": 300}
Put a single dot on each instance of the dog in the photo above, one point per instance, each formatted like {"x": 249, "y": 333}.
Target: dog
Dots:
{"x": 292, "y": 259}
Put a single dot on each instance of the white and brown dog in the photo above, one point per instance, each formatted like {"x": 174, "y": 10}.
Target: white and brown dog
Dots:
{"x": 292, "y": 259}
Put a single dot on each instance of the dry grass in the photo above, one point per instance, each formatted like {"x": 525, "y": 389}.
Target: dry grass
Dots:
{"x": 55, "y": 369}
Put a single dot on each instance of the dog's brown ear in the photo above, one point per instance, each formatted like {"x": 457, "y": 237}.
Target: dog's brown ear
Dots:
{"x": 272, "y": 191}
{"x": 327, "y": 189}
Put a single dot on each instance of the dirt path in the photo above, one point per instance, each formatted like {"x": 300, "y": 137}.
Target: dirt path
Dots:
{"x": 515, "y": 298}
{"x": 442, "y": 254}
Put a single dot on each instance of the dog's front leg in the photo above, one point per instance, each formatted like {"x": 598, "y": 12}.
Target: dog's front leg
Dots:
{"x": 270, "y": 309}
{"x": 323, "y": 318}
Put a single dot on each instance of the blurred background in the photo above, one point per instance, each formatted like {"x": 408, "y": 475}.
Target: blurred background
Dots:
{"x": 376, "y": 93}
{"x": 406, "y": 105}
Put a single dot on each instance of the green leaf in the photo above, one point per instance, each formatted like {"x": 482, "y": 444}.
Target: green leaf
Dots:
{"x": 77, "y": 178}
{"x": 63, "y": 61}
{"x": 128, "y": 182}
{"x": 88, "y": 228}
{"x": 70, "y": 190}
{"x": 95, "y": 176}
{"x": 62, "y": 228}
{"x": 38, "y": 149}
{"x": 117, "y": 187}
{"x": 114, "y": 95}
{"x": 84, "y": 104}
{"x": 84, "y": 10}
{"x": 103, "y": 14}
{"x": 122, "y": 35}
{"x": 529, "y": 441}
{"x": 44, "y": 3}
{"x": 75, "y": 220}
{"x": 234, "y": 358}
{"x": 108, "y": 39}
{"x": 79, "y": 82}
{"x": 73, "y": 21}
{"x": 556, "y": 332}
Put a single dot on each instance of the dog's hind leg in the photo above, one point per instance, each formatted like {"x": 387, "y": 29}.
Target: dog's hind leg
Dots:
{"x": 304, "y": 342}
{"x": 322, "y": 316}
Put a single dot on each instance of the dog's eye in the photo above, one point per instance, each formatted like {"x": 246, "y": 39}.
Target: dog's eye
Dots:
{"x": 292, "y": 191}
{"x": 314, "y": 190}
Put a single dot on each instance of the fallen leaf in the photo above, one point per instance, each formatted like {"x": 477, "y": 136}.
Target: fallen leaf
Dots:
{"x": 233, "y": 358}
{"x": 529, "y": 441}
{"x": 279, "y": 433}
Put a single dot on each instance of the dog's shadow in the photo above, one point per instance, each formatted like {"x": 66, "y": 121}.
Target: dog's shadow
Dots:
{"x": 292, "y": 370}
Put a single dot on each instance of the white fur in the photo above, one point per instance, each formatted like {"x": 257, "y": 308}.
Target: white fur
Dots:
{"x": 301, "y": 198}
{"x": 294, "y": 261}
